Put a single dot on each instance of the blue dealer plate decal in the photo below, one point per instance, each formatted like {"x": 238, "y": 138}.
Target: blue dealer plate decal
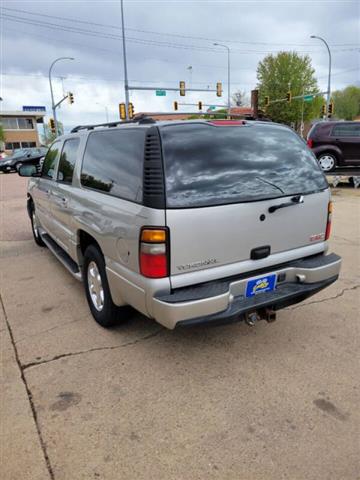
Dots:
{"x": 260, "y": 285}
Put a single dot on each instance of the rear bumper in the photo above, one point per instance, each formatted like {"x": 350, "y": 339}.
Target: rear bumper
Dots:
{"x": 225, "y": 301}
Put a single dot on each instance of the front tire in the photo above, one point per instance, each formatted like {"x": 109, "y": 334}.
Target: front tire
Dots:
{"x": 327, "y": 161}
{"x": 35, "y": 227}
{"x": 103, "y": 309}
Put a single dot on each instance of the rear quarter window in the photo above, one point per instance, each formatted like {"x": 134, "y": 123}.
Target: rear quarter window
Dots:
{"x": 346, "y": 130}
{"x": 113, "y": 163}
{"x": 207, "y": 165}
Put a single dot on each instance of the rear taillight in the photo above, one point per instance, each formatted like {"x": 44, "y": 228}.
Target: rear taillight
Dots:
{"x": 154, "y": 252}
{"x": 310, "y": 142}
{"x": 328, "y": 223}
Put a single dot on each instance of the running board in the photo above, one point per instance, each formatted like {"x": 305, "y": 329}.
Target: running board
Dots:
{"x": 61, "y": 255}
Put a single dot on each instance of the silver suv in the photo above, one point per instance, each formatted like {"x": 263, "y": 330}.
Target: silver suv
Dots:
{"x": 187, "y": 222}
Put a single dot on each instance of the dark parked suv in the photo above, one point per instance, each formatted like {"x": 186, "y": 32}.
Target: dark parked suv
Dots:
{"x": 335, "y": 144}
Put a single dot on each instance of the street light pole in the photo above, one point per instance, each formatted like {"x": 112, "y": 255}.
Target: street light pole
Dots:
{"x": 106, "y": 111}
{"x": 53, "y": 107}
{"x": 228, "y": 50}
{"x": 126, "y": 82}
{"x": 329, "y": 77}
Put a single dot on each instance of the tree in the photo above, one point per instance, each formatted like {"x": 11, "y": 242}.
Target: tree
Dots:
{"x": 2, "y": 134}
{"x": 240, "y": 99}
{"x": 347, "y": 103}
{"x": 48, "y": 137}
{"x": 288, "y": 71}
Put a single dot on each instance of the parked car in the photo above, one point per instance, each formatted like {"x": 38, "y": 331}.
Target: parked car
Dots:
{"x": 187, "y": 222}
{"x": 13, "y": 162}
{"x": 335, "y": 144}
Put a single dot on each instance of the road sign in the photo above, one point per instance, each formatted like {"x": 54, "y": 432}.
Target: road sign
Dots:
{"x": 161, "y": 93}
{"x": 27, "y": 108}
{"x": 308, "y": 98}
{"x": 212, "y": 107}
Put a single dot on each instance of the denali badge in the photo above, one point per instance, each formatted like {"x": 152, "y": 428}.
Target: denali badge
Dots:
{"x": 317, "y": 237}
{"x": 200, "y": 263}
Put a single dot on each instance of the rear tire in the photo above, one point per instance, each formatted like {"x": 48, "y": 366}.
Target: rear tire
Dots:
{"x": 35, "y": 227}
{"x": 327, "y": 161}
{"x": 103, "y": 309}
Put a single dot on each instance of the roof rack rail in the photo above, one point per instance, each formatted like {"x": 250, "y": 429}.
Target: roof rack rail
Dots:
{"x": 141, "y": 119}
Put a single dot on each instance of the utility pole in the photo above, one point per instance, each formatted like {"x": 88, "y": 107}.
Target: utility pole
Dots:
{"x": 329, "y": 76}
{"x": 228, "y": 51}
{"x": 126, "y": 82}
{"x": 53, "y": 106}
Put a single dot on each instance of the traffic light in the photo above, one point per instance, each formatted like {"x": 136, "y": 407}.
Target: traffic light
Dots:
{"x": 122, "y": 111}
{"x": 266, "y": 101}
{"x": 70, "y": 97}
{"x": 330, "y": 109}
{"x": 176, "y": 106}
{"x": 200, "y": 105}
{"x": 218, "y": 89}
{"x": 131, "y": 111}
{"x": 182, "y": 88}
{"x": 288, "y": 96}
{"x": 52, "y": 125}
{"x": 323, "y": 110}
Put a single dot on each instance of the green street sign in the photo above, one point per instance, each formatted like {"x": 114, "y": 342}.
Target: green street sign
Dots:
{"x": 212, "y": 107}
{"x": 161, "y": 93}
{"x": 308, "y": 98}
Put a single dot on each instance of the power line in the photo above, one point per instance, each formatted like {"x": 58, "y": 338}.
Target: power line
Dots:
{"x": 152, "y": 32}
{"x": 115, "y": 80}
{"x": 92, "y": 33}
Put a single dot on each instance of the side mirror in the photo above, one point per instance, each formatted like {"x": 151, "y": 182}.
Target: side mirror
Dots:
{"x": 28, "y": 171}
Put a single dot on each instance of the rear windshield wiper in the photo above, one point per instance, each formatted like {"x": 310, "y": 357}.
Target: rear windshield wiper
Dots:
{"x": 269, "y": 183}
{"x": 294, "y": 201}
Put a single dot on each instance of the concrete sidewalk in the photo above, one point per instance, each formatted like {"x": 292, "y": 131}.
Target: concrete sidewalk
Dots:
{"x": 278, "y": 401}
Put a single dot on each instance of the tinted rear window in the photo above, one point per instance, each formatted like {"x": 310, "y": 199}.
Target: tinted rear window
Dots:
{"x": 113, "y": 163}
{"x": 207, "y": 165}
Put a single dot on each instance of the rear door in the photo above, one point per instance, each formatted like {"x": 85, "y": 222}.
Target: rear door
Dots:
{"x": 221, "y": 182}
{"x": 347, "y": 137}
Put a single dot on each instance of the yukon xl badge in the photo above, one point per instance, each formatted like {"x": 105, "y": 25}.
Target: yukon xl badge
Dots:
{"x": 200, "y": 263}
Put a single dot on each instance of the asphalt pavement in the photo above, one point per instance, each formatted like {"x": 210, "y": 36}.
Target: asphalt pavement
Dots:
{"x": 276, "y": 401}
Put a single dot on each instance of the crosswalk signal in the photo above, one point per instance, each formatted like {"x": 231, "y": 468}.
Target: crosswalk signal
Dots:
{"x": 330, "y": 109}
{"x": 131, "y": 110}
{"x": 288, "y": 96}
{"x": 267, "y": 101}
{"x": 52, "y": 125}
{"x": 323, "y": 110}
{"x": 218, "y": 89}
{"x": 122, "y": 111}
{"x": 200, "y": 105}
{"x": 182, "y": 88}
{"x": 176, "y": 106}
{"x": 70, "y": 98}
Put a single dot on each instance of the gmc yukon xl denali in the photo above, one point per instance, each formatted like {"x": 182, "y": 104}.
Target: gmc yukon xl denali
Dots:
{"x": 187, "y": 222}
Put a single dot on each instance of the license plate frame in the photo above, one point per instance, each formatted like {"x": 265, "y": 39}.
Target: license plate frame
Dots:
{"x": 256, "y": 286}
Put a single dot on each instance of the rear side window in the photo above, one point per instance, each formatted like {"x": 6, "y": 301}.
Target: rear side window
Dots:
{"x": 113, "y": 163}
{"x": 207, "y": 165}
{"x": 49, "y": 165}
{"x": 346, "y": 130}
{"x": 68, "y": 160}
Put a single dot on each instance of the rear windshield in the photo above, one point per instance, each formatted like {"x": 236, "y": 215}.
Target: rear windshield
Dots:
{"x": 207, "y": 165}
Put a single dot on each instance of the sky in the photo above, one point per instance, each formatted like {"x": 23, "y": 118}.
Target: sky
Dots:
{"x": 167, "y": 41}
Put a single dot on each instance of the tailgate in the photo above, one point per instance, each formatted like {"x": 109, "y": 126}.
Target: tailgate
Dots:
{"x": 214, "y": 236}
